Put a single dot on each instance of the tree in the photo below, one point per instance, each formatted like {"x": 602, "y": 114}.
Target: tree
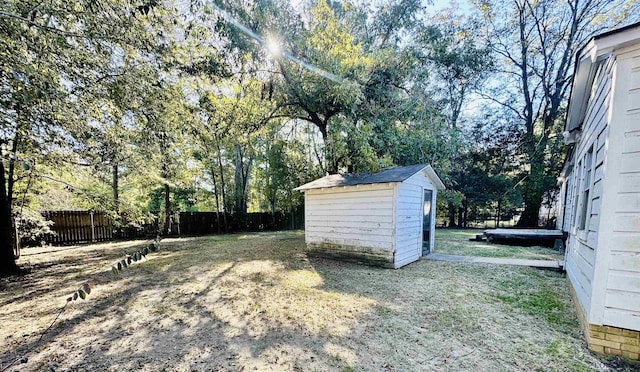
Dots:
{"x": 456, "y": 62}
{"x": 234, "y": 113}
{"x": 344, "y": 72}
{"x": 284, "y": 162}
{"x": 52, "y": 54}
{"x": 536, "y": 42}
{"x": 331, "y": 87}
{"x": 105, "y": 146}
{"x": 162, "y": 130}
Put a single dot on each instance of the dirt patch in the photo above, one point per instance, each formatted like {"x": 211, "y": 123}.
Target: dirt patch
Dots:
{"x": 257, "y": 302}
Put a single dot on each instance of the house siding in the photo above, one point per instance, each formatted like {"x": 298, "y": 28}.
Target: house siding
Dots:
{"x": 409, "y": 213}
{"x": 581, "y": 244}
{"x": 621, "y": 307}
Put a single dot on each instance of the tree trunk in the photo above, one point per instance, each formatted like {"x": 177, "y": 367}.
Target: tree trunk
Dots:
{"x": 330, "y": 161}
{"x": 215, "y": 193}
{"x": 351, "y": 151}
{"x": 12, "y": 164}
{"x": 529, "y": 217}
{"x": 465, "y": 215}
{"x": 533, "y": 201}
{"x": 116, "y": 200}
{"x": 167, "y": 209}
{"x": 270, "y": 189}
{"x": 240, "y": 178}
{"x": 452, "y": 215}
{"x": 224, "y": 196}
{"x": 246, "y": 174}
{"x": 8, "y": 264}
{"x": 533, "y": 186}
{"x": 242, "y": 173}
{"x": 460, "y": 214}
{"x": 116, "y": 191}
{"x": 239, "y": 187}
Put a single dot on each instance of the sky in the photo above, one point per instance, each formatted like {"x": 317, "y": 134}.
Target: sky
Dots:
{"x": 441, "y": 4}
{"x": 435, "y": 6}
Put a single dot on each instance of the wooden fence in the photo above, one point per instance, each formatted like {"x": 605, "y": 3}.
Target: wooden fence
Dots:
{"x": 76, "y": 227}
{"x": 204, "y": 223}
{"x": 71, "y": 227}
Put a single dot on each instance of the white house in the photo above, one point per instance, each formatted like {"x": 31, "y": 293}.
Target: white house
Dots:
{"x": 600, "y": 195}
{"x": 385, "y": 218}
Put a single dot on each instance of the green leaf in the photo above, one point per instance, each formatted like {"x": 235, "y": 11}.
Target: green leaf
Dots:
{"x": 124, "y": 263}
{"x": 25, "y": 166}
{"x": 114, "y": 270}
{"x": 82, "y": 294}
{"x": 75, "y": 296}
{"x": 145, "y": 251}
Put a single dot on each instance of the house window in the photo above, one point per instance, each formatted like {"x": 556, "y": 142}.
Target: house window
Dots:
{"x": 576, "y": 194}
{"x": 586, "y": 189}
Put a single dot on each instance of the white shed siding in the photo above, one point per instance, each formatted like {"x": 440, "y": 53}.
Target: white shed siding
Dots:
{"x": 582, "y": 243}
{"x": 620, "y": 287}
{"x": 409, "y": 213}
{"x": 359, "y": 216}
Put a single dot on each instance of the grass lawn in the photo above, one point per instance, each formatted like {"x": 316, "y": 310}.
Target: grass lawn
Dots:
{"x": 456, "y": 241}
{"x": 256, "y": 302}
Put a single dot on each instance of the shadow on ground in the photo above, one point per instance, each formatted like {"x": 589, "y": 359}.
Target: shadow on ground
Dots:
{"x": 256, "y": 301}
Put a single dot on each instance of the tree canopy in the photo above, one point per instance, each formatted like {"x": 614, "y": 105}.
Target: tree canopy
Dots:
{"x": 145, "y": 108}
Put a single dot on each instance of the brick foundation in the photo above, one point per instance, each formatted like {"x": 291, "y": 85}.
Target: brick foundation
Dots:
{"x": 605, "y": 339}
{"x": 612, "y": 340}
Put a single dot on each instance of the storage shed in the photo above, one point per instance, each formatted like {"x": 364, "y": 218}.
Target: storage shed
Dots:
{"x": 600, "y": 194}
{"x": 384, "y": 219}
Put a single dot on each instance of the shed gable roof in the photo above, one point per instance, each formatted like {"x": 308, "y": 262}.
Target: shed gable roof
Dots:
{"x": 395, "y": 174}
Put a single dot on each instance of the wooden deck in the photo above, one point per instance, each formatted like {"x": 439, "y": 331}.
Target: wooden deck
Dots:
{"x": 523, "y": 234}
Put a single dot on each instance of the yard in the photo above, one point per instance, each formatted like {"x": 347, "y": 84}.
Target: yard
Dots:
{"x": 256, "y": 302}
{"x": 456, "y": 242}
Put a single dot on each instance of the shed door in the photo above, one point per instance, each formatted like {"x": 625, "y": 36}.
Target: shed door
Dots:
{"x": 426, "y": 222}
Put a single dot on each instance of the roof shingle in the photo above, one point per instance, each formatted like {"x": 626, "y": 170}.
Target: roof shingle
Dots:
{"x": 395, "y": 174}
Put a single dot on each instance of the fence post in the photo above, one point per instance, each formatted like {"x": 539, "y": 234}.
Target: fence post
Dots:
{"x": 93, "y": 228}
